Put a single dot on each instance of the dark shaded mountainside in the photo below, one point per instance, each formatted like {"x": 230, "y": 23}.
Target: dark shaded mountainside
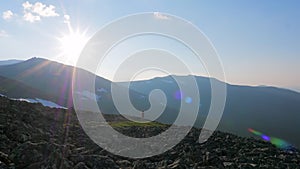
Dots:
{"x": 15, "y": 89}
{"x": 33, "y": 136}
{"x": 273, "y": 111}
{"x": 52, "y": 78}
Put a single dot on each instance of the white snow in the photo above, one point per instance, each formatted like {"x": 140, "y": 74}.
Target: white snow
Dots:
{"x": 43, "y": 102}
{"x": 49, "y": 104}
{"x": 27, "y": 100}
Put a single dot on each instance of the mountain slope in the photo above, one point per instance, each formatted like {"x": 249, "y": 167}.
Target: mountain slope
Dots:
{"x": 273, "y": 111}
{"x": 50, "y": 77}
{"x": 15, "y": 89}
{"x": 33, "y": 136}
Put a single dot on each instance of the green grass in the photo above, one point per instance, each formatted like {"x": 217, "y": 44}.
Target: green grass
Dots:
{"x": 131, "y": 123}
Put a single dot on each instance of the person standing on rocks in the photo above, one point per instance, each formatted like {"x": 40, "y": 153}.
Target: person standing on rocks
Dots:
{"x": 142, "y": 115}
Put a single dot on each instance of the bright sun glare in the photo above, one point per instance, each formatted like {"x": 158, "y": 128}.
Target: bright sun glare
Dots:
{"x": 71, "y": 45}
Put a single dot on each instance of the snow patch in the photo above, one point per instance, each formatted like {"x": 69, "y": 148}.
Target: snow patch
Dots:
{"x": 27, "y": 100}
{"x": 49, "y": 104}
{"x": 46, "y": 103}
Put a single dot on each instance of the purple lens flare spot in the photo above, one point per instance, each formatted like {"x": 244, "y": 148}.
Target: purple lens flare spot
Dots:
{"x": 178, "y": 95}
{"x": 266, "y": 138}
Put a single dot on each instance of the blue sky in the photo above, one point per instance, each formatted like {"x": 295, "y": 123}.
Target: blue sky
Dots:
{"x": 258, "y": 41}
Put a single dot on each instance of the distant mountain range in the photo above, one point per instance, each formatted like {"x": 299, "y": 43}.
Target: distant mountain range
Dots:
{"x": 271, "y": 110}
{"x": 10, "y": 62}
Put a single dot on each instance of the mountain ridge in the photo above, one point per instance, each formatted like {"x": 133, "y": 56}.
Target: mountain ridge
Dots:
{"x": 268, "y": 109}
{"x": 10, "y": 62}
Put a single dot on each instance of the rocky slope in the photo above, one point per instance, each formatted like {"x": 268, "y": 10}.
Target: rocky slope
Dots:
{"x": 33, "y": 136}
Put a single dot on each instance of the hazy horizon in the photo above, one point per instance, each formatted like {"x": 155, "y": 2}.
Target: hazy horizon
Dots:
{"x": 161, "y": 76}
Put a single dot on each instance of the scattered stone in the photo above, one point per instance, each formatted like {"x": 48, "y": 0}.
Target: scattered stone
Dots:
{"x": 81, "y": 165}
{"x": 227, "y": 164}
{"x": 33, "y": 136}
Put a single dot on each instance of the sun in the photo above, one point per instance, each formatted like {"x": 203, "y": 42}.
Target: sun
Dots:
{"x": 71, "y": 45}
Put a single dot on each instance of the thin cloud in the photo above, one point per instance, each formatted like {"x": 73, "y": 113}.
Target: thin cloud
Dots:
{"x": 31, "y": 18}
{"x": 43, "y": 10}
{"x": 159, "y": 15}
{"x": 3, "y": 33}
{"x": 7, "y": 15}
{"x": 34, "y": 12}
{"x": 67, "y": 19}
{"x": 26, "y": 5}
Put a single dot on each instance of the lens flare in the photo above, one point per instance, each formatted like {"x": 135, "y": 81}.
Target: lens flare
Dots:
{"x": 250, "y": 130}
{"x": 188, "y": 100}
{"x": 279, "y": 143}
{"x": 178, "y": 95}
{"x": 265, "y": 137}
{"x": 254, "y": 132}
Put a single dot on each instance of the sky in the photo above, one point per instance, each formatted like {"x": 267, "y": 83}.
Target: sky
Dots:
{"x": 258, "y": 42}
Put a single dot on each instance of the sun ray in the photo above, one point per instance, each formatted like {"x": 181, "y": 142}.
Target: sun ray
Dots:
{"x": 71, "y": 44}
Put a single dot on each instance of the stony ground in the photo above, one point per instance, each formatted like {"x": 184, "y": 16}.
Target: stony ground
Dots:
{"x": 33, "y": 136}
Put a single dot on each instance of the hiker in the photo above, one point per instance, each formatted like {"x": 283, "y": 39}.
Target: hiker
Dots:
{"x": 142, "y": 114}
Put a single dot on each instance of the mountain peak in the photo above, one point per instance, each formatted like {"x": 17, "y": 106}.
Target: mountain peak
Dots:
{"x": 36, "y": 59}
